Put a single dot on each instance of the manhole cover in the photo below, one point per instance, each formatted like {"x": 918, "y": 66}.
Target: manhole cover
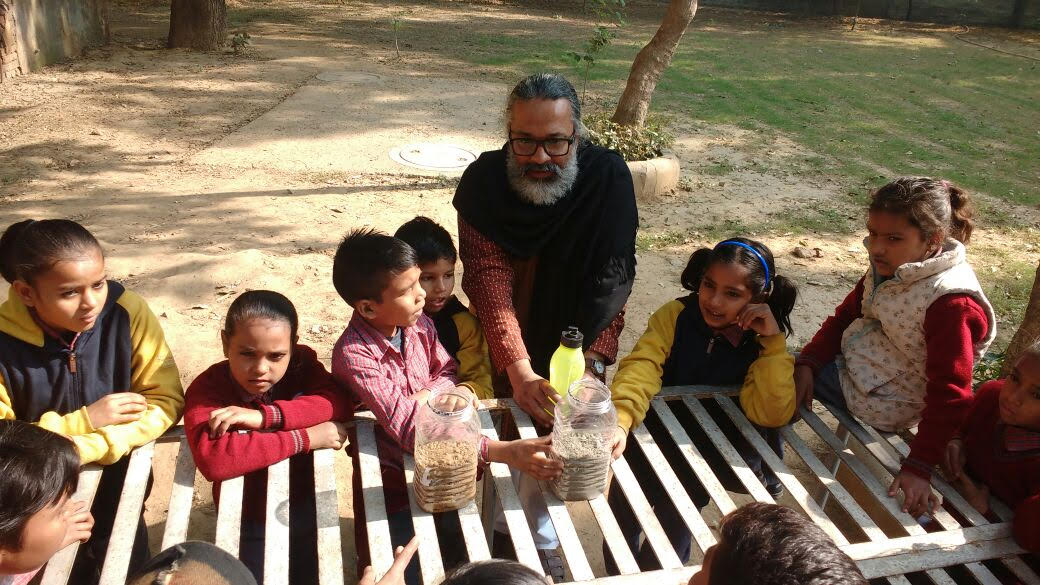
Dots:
{"x": 355, "y": 77}
{"x": 425, "y": 155}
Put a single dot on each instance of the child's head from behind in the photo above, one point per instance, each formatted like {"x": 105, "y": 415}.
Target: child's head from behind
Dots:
{"x": 494, "y": 572}
{"x": 378, "y": 276}
{"x": 734, "y": 273}
{"x": 436, "y": 255}
{"x": 767, "y": 544}
{"x": 38, "y": 472}
{"x": 258, "y": 336}
{"x": 909, "y": 218}
{"x": 1020, "y": 396}
{"x": 57, "y": 268}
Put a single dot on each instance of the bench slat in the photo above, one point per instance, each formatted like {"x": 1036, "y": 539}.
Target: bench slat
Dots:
{"x": 694, "y": 459}
{"x": 128, "y": 513}
{"x": 326, "y": 498}
{"x": 179, "y": 511}
{"x": 608, "y": 525}
{"x": 276, "y": 527}
{"x": 376, "y": 523}
{"x": 59, "y": 567}
{"x": 473, "y": 533}
{"x": 429, "y": 552}
{"x": 229, "y": 515}
{"x": 728, "y": 451}
{"x": 655, "y": 535}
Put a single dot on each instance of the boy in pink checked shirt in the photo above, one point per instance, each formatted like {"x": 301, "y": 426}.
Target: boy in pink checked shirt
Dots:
{"x": 389, "y": 360}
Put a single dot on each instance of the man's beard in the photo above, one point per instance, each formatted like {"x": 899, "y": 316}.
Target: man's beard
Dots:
{"x": 542, "y": 192}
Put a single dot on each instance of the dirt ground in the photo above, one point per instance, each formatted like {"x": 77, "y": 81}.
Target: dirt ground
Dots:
{"x": 208, "y": 174}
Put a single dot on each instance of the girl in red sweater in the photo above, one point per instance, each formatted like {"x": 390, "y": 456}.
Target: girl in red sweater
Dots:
{"x": 999, "y": 445}
{"x": 899, "y": 351}
{"x": 270, "y": 400}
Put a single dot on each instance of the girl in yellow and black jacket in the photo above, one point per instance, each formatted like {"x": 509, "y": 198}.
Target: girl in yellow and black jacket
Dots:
{"x": 457, "y": 328}
{"x": 84, "y": 357}
{"x": 730, "y": 330}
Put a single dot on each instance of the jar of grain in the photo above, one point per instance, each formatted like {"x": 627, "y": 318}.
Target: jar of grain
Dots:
{"x": 581, "y": 438}
{"x": 447, "y": 437}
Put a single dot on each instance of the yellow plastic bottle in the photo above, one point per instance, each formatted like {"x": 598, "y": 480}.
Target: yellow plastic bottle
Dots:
{"x": 568, "y": 362}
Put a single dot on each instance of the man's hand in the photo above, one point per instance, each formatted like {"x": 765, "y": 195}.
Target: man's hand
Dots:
{"x": 222, "y": 420}
{"x": 395, "y": 576}
{"x": 620, "y": 441}
{"x": 78, "y": 522}
{"x": 527, "y": 455}
{"x": 532, "y": 393}
{"x": 803, "y": 386}
{"x": 954, "y": 460}
{"x": 327, "y": 435}
{"x": 116, "y": 408}
{"x": 918, "y": 498}
{"x": 759, "y": 318}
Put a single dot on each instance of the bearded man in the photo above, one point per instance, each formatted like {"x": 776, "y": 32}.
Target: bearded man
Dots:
{"x": 547, "y": 229}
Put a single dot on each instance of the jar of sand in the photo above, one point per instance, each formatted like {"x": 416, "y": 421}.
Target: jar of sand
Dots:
{"x": 447, "y": 437}
{"x": 581, "y": 438}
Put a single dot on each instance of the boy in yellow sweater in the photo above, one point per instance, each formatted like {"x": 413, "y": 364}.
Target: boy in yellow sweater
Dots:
{"x": 457, "y": 328}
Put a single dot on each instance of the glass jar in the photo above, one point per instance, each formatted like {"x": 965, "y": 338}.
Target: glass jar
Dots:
{"x": 582, "y": 438}
{"x": 447, "y": 438}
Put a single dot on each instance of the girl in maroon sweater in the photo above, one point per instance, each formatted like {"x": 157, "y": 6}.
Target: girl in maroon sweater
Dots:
{"x": 999, "y": 445}
{"x": 270, "y": 400}
{"x": 900, "y": 349}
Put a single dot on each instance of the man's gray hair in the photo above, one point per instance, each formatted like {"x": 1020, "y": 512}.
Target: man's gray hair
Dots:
{"x": 547, "y": 86}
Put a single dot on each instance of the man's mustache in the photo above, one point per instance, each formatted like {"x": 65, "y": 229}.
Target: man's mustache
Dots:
{"x": 549, "y": 167}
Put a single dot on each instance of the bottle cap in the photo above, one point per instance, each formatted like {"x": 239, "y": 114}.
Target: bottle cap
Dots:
{"x": 571, "y": 338}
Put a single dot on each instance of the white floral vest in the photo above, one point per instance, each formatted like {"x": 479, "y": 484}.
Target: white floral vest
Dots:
{"x": 882, "y": 366}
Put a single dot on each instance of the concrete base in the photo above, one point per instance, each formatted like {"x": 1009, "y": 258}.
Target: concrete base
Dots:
{"x": 654, "y": 177}
{"x": 41, "y": 32}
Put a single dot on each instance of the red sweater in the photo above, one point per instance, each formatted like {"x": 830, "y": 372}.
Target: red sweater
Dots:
{"x": 304, "y": 397}
{"x": 953, "y": 324}
{"x": 1011, "y": 472}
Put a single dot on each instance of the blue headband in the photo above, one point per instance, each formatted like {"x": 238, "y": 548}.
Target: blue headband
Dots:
{"x": 769, "y": 282}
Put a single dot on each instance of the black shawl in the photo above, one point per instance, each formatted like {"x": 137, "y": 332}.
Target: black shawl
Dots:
{"x": 584, "y": 243}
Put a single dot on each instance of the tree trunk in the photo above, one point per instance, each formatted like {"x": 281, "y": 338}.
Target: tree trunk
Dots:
{"x": 198, "y": 24}
{"x": 651, "y": 62}
{"x": 1029, "y": 331}
{"x": 1019, "y": 13}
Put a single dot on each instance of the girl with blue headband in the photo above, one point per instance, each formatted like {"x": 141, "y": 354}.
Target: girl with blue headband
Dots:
{"x": 730, "y": 330}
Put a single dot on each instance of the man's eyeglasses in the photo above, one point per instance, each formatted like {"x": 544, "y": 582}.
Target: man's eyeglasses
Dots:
{"x": 552, "y": 146}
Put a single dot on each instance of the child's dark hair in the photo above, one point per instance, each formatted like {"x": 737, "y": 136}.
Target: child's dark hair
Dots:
{"x": 494, "y": 572}
{"x": 931, "y": 205}
{"x": 430, "y": 241}
{"x": 767, "y": 544}
{"x": 29, "y": 248}
{"x": 261, "y": 304}
{"x": 766, "y": 285}
{"x": 366, "y": 261}
{"x": 37, "y": 469}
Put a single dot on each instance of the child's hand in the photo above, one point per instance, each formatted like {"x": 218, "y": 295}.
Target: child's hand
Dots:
{"x": 620, "y": 441}
{"x": 977, "y": 495}
{"x": 528, "y": 455}
{"x": 327, "y": 435}
{"x": 803, "y": 386}
{"x": 759, "y": 318}
{"x": 116, "y": 408}
{"x": 954, "y": 460}
{"x": 222, "y": 419}
{"x": 395, "y": 576}
{"x": 78, "y": 522}
{"x": 918, "y": 498}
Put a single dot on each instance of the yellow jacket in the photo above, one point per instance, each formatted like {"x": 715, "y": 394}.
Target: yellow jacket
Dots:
{"x": 125, "y": 351}
{"x": 767, "y": 395}
{"x": 473, "y": 358}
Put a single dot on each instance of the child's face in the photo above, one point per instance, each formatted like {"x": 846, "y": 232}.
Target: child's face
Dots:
{"x": 258, "y": 353}
{"x": 723, "y": 294}
{"x": 701, "y": 576}
{"x": 438, "y": 280}
{"x": 1020, "y": 398}
{"x": 401, "y": 305}
{"x": 69, "y": 296}
{"x": 893, "y": 241}
{"x": 42, "y": 538}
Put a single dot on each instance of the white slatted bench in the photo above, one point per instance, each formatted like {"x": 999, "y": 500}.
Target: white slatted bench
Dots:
{"x": 870, "y": 457}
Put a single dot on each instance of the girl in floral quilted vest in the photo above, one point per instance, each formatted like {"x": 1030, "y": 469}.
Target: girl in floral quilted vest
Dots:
{"x": 900, "y": 349}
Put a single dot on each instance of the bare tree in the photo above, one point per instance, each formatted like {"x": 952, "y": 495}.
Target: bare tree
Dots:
{"x": 1029, "y": 331}
{"x": 651, "y": 62}
{"x": 198, "y": 24}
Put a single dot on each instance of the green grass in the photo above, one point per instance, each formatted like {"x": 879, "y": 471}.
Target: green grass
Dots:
{"x": 868, "y": 104}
